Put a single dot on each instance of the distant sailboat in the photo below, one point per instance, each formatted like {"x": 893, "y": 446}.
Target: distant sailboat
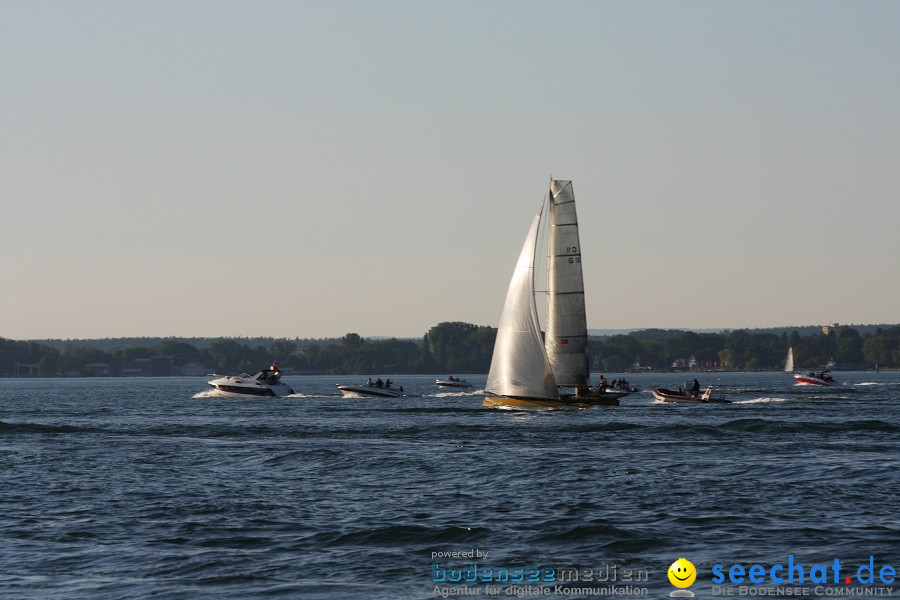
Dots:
{"x": 525, "y": 369}
{"x": 789, "y": 362}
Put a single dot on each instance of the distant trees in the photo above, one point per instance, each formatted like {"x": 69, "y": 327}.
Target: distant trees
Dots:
{"x": 615, "y": 353}
{"x": 456, "y": 347}
{"x": 883, "y": 348}
{"x": 744, "y": 350}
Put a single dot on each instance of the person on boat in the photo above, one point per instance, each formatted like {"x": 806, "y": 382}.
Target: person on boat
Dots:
{"x": 695, "y": 389}
{"x": 601, "y": 386}
{"x": 271, "y": 374}
{"x": 369, "y": 382}
{"x": 379, "y": 383}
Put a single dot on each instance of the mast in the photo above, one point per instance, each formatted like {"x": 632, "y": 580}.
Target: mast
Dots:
{"x": 566, "y": 338}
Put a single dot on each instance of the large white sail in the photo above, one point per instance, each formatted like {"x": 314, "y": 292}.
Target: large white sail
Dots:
{"x": 789, "y": 363}
{"x": 566, "y": 339}
{"x": 519, "y": 366}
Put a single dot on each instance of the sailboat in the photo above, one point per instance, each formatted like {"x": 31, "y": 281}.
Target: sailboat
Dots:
{"x": 526, "y": 369}
{"x": 789, "y": 361}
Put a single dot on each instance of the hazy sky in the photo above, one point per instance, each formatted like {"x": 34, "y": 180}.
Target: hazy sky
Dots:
{"x": 288, "y": 168}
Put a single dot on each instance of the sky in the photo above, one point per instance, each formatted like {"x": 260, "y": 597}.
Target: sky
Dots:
{"x": 310, "y": 169}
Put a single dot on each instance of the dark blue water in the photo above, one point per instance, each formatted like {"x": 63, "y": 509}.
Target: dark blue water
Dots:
{"x": 134, "y": 488}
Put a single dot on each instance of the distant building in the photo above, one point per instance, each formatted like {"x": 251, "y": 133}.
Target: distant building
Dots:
{"x": 139, "y": 367}
{"x": 161, "y": 366}
{"x": 158, "y": 366}
{"x": 26, "y": 369}
{"x": 95, "y": 370}
{"x": 194, "y": 369}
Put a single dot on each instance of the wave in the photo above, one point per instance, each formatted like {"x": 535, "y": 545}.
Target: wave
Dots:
{"x": 837, "y": 387}
{"x": 455, "y": 394}
{"x": 412, "y": 410}
{"x": 761, "y": 401}
{"x": 39, "y": 428}
{"x": 396, "y": 535}
{"x": 767, "y": 426}
{"x": 223, "y": 395}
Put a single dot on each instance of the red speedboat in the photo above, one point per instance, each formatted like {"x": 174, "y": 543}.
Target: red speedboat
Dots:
{"x": 814, "y": 378}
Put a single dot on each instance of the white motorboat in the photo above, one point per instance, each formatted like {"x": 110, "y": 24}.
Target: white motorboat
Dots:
{"x": 371, "y": 390}
{"x": 265, "y": 383}
{"x": 453, "y": 382}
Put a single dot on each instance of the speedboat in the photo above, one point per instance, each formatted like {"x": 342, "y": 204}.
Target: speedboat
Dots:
{"x": 814, "y": 378}
{"x": 371, "y": 390}
{"x": 607, "y": 393}
{"x": 453, "y": 382}
{"x": 264, "y": 383}
{"x": 592, "y": 396}
{"x": 612, "y": 392}
{"x": 666, "y": 395}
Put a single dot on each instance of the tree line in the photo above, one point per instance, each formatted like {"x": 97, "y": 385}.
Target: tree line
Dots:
{"x": 744, "y": 350}
{"x": 456, "y": 347}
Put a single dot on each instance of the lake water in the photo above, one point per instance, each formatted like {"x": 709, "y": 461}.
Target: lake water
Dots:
{"x": 135, "y": 488}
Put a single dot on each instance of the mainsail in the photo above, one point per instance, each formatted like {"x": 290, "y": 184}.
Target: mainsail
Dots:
{"x": 566, "y": 339}
{"x": 519, "y": 366}
{"x": 789, "y": 363}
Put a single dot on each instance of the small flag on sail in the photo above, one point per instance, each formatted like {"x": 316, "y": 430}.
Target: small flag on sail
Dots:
{"x": 562, "y": 341}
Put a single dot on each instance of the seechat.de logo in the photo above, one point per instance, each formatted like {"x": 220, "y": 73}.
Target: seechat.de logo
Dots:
{"x": 682, "y": 574}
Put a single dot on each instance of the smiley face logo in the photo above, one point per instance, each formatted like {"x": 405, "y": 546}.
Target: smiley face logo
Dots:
{"x": 682, "y": 573}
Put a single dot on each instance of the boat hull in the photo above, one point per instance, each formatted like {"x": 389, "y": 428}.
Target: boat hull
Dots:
{"x": 565, "y": 401}
{"x": 664, "y": 395}
{"x": 453, "y": 384}
{"x": 234, "y": 387}
{"x": 365, "y": 391}
{"x": 568, "y": 391}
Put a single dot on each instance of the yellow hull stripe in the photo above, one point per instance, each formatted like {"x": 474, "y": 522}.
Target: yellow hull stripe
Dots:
{"x": 548, "y": 403}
